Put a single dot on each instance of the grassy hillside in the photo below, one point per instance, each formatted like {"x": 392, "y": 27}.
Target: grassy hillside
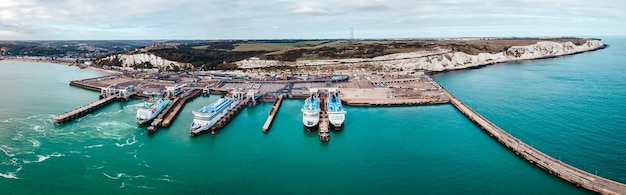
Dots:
{"x": 210, "y": 55}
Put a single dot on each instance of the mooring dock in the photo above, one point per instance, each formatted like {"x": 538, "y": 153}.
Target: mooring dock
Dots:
{"x": 553, "y": 166}
{"x": 273, "y": 112}
{"x": 228, "y": 117}
{"x": 323, "y": 126}
{"x": 82, "y": 111}
{"x": 165, "y": 118}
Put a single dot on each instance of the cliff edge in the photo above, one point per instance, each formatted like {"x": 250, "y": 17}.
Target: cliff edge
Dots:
{"x": 438, "y": 59}
{"x": 132, "y": 60}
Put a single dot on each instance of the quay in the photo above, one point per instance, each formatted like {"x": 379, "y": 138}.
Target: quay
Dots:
{"x": 394, "y": 102}
{"x": 323, "y": 122}
{"x": 178, "y": 105}
{"x": 273, "y": 112}
{"x": 228, "y": 117}
{"x": 165, "y": 118}
{"x": 82, "y": 111}
{"x": 107, "y": 95}
{"x": 84, "y": 85}
{"x": 553, "y": 166}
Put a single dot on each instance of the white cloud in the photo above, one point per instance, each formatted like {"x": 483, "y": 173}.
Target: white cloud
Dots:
{"x": 243, "y": 19}
{"x": 308, "y": 10}
{"x": 369, "y": 5}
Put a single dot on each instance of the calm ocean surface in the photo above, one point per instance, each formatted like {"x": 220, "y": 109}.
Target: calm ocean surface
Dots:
{"x": 569, "y": 107}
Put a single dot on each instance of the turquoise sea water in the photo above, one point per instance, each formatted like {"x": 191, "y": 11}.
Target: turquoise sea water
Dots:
{"x": 568, "y": 107}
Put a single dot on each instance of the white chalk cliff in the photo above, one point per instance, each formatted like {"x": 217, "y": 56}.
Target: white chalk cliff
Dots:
{"x": 442, "y": 59}
{"x": 128, "y": 60}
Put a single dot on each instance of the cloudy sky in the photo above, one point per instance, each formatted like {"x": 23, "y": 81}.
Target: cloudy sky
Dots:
{"x": 306, "y": 19}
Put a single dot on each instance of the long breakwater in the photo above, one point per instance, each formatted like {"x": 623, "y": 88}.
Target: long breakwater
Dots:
{"x": 553, "y": 166}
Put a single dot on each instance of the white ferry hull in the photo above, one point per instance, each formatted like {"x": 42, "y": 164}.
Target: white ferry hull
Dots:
{"x": 199, "y": 125}
{"x": 145, "y": 115}
{"x": 310, "y": 118}
{"x": 337, "y": 118}
{"x": 199, "y": 128}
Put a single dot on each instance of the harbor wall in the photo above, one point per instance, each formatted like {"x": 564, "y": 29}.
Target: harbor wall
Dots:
{"x": 551, "y": 165}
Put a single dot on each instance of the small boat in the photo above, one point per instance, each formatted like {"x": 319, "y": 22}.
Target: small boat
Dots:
{"x": 147, "y": 111}
{"x": 207, "y": 116}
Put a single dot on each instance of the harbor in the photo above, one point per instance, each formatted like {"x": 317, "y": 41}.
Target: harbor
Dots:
{"x": 360, "y": 90}
{"x": 382, "y": 90}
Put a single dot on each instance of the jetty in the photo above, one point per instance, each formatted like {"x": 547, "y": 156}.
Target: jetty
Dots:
{"x": 323, "y": 122}
{"x": 165, "y": 118}
{"x": 273, "y": 112}
{"x": 553, "y": 166}
{"x": 86, "y": 85}
{"x": 228, "y": 117}
{"x": 84, "y": 110}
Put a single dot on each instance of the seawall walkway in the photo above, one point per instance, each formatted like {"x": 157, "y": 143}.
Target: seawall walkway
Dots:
{"x": 553, "y": 166}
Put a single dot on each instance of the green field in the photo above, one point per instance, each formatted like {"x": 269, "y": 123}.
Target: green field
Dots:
{"x": 271, "y": 46}
{"x": 211, "y": 55}
{"x": 263, "y": 46}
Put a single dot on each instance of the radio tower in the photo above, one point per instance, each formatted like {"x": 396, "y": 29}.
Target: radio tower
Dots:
{"x": 351, "y": 34}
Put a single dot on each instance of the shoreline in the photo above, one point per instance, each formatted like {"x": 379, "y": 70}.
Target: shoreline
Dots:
{"x": 604, "y": 46}
{"x": 424, "y": 63}
{"x": 112, "y": 72}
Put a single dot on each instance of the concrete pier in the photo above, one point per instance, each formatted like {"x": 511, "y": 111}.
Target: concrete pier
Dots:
{"x": 165, "y": 118}
{"x": 323, "y": 126}
{"x": 553, "y": 166}
{"x": 228, "y": 117}
{"x": 178, "y": 105}
{"x": 273, "y": 112}
{"x": 82, "y": 111}
{"x": 84, "y": 85}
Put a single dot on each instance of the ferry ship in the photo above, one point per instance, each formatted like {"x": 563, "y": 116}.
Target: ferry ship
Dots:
{"x": 150, "y": 109}
{"x": 311, "y": 110}
{"x": 336, "y": 112}
{"x": 207, "y": 116}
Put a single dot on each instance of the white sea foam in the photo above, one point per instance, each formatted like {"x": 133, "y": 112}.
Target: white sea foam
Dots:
{"x": 123, "y": 185}
{"x": 145, "y": 187}
{"x": 35, "y": 143}
{"x": 166, "y": 178}
{"x": 113, "y": 130}
{"x": 113, "y": 177}
{"x": 34, "y": 117}
{"x": 11, "y": 175}
{"x": 130, "y": 141}
{"x": 17, "y": 137}
{"x": 95, "y": 146}
{"x": 41, "y": 158}
{"x": 6, "y": 150}
{"x": 38, "y": 128}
